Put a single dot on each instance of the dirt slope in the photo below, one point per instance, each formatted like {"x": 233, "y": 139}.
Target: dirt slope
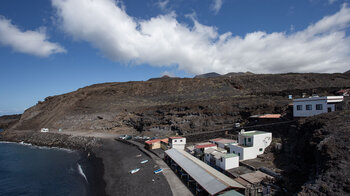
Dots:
{"x": 173, "y": 104}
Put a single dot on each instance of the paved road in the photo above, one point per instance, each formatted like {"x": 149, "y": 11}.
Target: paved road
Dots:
{"x": 177, "y": 186}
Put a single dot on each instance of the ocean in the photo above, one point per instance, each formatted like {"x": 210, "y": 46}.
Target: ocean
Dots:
{"x": 31, "y": 170}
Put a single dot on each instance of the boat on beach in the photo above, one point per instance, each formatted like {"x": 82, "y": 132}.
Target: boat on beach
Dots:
{"x": 144, "y": 161}
{"x": 158, "y": 171}
{"x": 134, "y": 170}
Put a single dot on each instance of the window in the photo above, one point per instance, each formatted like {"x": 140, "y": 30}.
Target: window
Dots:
{"x": 174, "y": 141}
{"x": 299, "y": 107}
{"x": 233, "y": 152}
{"x": 318, "y": 106}
{"x": 249, "y": 139}
{"x": 239, "y": 154}
{"x": 309, "y": 107}
{"x": 180, "y": 140}
{"x": 260, "y": 149}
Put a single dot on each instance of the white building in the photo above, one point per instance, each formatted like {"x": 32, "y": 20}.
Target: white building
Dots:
{"x": 177, "y": 142}
{"x": 311, "y": 106}
{"x": 251, "y": 144}
{"x": 222, "y": 142}
{"x": 44, "y": 130}
{"x": 221, "y": 160}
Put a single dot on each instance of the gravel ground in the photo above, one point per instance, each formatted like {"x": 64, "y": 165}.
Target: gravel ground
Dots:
{"x": 118, "y": 160}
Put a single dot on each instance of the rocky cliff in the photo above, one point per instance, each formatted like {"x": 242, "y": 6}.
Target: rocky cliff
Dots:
{"x": 7, "y": 121}
{"x": 315, "y": 156}
{"x": 167, "y": 105}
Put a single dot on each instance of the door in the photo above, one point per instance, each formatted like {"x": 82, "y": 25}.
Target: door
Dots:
{"x": 329, "y": 109}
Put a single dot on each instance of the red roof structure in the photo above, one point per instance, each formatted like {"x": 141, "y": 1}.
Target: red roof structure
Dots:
{"x": 271, "y": 116}
{"x": 204, "y": 145}
{"x": 156, "y": 140}
{"x": 267, "y": 116}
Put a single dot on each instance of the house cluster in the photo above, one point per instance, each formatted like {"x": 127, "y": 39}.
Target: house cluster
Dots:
{"x": 166, "y": 143}
{"x": 225, "y": 154}
{"x": 220, "y": 153}
{"x": 205, "y": 164}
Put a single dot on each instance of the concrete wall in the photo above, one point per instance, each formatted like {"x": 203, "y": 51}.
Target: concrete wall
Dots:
{"x": 304, "y": 112}
{"x": 179, "y": 146}
{"x": 229, "y": 163}
{"x": 177, "y": 143}
{"x": 153, "y": 145}
{"x": 262, "y": 141}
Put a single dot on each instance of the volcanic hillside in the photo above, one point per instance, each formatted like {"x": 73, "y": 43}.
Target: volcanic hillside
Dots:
{"x": 165, "y": 105}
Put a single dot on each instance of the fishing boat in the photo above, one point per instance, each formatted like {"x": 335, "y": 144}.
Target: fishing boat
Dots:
{"x": 134, "y": 170}
{"x": 158, "y": 171}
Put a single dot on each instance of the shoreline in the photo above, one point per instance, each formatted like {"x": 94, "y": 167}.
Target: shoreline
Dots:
{"x": 105, "y": 162}
{"x": 92, "y": 166}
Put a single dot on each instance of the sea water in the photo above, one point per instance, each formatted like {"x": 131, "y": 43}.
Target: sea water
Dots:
{"x": 30, "y": 170}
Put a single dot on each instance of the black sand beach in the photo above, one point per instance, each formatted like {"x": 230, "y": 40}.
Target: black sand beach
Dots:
{"x": 106, "y": 163}
{"x": 118, "y": 159}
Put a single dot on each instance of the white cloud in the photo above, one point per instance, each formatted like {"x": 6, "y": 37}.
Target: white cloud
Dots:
{"x": 332, "y": 1}
{"x": 163, "y": 41}
{"x": 29, "y": 42}
{"x": 167, "y": 73}
{"x": 216, "y": 6}
{"x": 291, "y": 28}
{"x": 163, "y": 4}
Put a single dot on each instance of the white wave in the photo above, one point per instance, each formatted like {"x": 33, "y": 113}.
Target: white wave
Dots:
{"x": 81, "y": 172}
{"x": 27, "y": 144}
{"x": 6, "y": 142}
{"x": 39, "y": 147}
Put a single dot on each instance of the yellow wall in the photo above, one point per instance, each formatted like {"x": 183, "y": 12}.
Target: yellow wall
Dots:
{"x": 156, "y": 145}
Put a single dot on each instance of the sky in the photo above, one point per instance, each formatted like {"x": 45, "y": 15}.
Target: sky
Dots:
{"x": 51, "y": 47}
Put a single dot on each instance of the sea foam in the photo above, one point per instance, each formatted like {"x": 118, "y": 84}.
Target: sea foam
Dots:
{"x": 81, "y": 172}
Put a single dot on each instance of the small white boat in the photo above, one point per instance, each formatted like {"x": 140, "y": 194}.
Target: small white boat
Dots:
{"x": 158, "y": 171}
{"x": 144, "y": 161}
{"x": 138, "y": 155}
{"x": 134, "y": 170}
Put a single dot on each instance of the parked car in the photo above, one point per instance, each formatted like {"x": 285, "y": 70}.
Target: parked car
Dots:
{"x": 125, "y": 137}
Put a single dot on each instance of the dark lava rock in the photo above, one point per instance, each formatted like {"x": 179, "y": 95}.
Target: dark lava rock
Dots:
{"x": 208, "y": 75}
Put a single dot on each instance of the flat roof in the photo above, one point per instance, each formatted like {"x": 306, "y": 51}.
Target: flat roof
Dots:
{"x": 255, "y": 177}
{"x": 210, "y": 150}
{"x": 229, "y": 155}
{"x": 329, "y": 99}
{"x": 252, "y": 133}
{"x": 223, "y": 140}
{"x": 209, "y": 178}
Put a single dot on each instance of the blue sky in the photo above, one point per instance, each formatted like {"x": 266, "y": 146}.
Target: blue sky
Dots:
{"x": 53, "y": 47}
